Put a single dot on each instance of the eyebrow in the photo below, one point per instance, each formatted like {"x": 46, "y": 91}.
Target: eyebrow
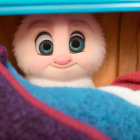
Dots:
{"x": 40, "y": 23}
{"x": 79, "y": 22}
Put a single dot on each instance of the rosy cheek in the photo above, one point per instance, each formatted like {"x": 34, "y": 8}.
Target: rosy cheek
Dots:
{"x": 83, "y": 61}
{"x": 40, "y": 62}
{"x": 42, "y": 65}
{"x": 86, "y": 60}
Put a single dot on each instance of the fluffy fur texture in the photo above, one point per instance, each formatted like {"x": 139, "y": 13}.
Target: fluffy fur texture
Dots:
{"x": 132, "y": 96}
{"x": 83, "y": 82}
{"x": 62, "y": 68}
{"x": 37, "y": 115}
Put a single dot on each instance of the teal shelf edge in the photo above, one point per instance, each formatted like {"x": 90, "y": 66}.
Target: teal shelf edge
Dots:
{"x": 69, "y": 8}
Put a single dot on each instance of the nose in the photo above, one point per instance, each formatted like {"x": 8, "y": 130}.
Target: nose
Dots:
{"x": 62, "y": 60}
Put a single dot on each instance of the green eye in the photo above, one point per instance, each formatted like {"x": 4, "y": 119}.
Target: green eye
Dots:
{"x": 44, "y": 45}
{"x": 76, "y": 44}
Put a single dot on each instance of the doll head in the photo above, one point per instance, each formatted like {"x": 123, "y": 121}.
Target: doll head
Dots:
{"x": 60, "y": 47}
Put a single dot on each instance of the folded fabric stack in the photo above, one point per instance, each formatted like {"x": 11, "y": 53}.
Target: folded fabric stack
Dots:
{"x": 31, "y": 112}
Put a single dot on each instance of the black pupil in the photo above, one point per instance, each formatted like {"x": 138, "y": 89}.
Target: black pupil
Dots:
{"x": 46, "y": 46}
{"x": 75, "y": 43}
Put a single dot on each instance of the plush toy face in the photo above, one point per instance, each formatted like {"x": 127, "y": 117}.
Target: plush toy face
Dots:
{"x": 60, "y": 47}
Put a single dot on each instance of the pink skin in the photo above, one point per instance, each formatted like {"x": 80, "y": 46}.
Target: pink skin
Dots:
{"x": 62, "y": 65}
{"x": 62, "y": 61}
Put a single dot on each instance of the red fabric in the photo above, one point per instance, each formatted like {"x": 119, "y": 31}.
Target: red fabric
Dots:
{"x": 130, "y": 80}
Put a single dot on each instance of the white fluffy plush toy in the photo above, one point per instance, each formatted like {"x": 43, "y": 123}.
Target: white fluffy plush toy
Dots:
{"x": 59, "y": 49}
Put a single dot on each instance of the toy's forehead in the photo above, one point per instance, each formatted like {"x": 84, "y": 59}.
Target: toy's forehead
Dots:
{"x": 55, "y": 18}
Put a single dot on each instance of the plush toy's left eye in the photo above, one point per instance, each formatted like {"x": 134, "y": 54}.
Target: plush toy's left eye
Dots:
{"x": 44, "y": 45}
{"x": 77, "y": 42}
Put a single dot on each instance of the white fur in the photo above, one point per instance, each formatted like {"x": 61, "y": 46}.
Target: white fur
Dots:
{"x": 132, "y": 96}
{"x": 84, "y": 83}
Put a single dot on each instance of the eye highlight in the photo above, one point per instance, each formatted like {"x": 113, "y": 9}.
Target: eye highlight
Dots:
{"x": 77, "y": 42}
{"x": 44, "y": 44}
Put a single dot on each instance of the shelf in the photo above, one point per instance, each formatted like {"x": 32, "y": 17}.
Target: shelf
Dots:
{"x": 14, "y": 7}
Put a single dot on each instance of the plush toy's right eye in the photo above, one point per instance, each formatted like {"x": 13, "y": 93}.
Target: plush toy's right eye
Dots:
{"x": 77, "y": 42}
{"x": 44, "y": 44}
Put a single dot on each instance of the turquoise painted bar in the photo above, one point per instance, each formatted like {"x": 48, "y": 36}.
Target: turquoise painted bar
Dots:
{"x": 7, "y": 2}
{"x": 16, "y": 7}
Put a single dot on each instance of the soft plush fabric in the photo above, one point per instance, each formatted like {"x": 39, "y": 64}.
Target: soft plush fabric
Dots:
{"x": 32, "y": 112}
{"x": 126, "y": 87}
{"x": 129, "y": 80}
